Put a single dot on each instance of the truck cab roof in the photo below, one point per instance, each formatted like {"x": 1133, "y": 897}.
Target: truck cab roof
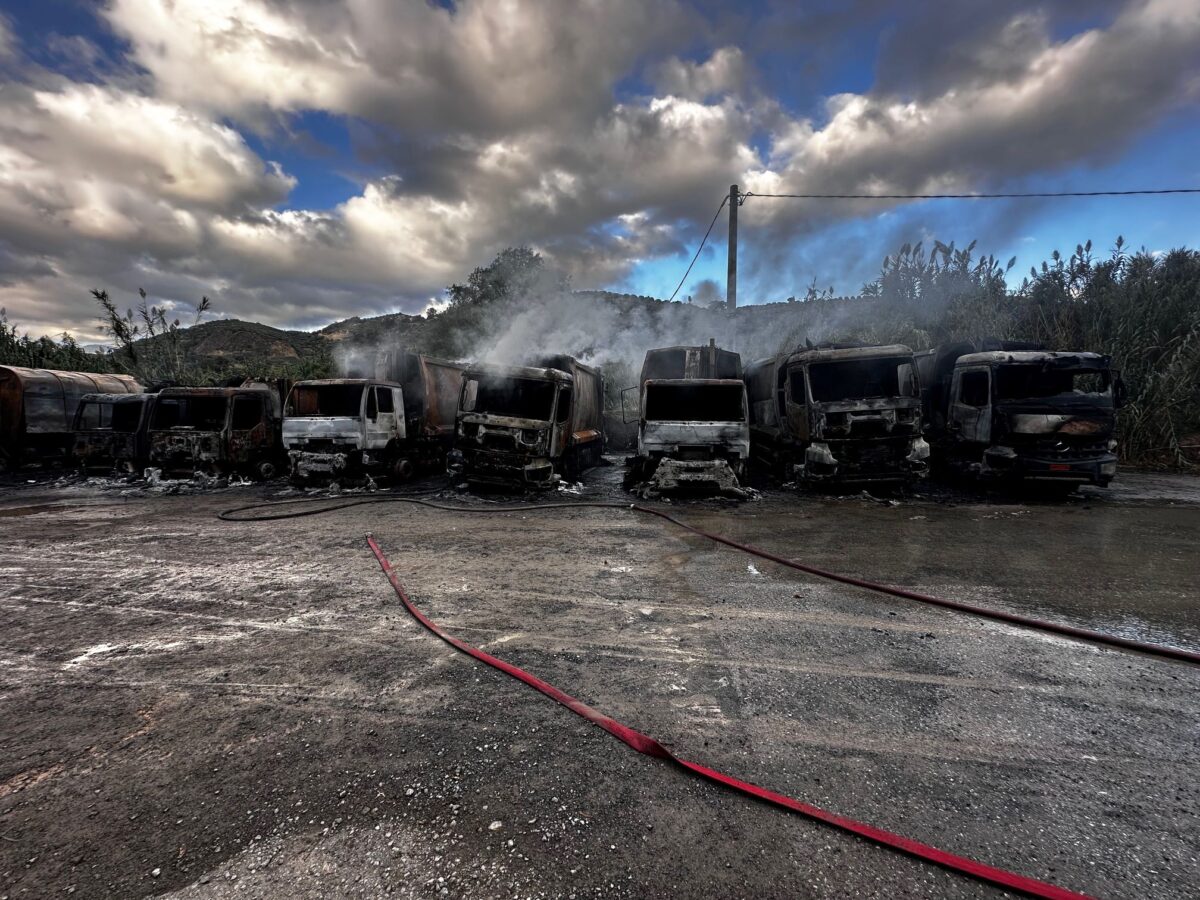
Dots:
{"x": 533, "y": 372}
{"x": 989, "y": 357}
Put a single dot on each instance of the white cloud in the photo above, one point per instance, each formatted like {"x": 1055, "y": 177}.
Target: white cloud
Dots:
{"x": 504, "y": 126}
{"x": 486, "y": 66}
{"x": 725, "y": 71}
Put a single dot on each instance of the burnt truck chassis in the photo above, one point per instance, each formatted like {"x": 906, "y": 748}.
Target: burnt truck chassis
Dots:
{"x": 223, "y": 450}
{"x": 693, "y": 432}
{"x": 108, "y": 449}
{"x": 690, "y": 456}
{"x": 366, "y": 441}
{"x": 833, "y": 443}
{"x": 1057, "y": 441}
{"x": 532, "y": 453}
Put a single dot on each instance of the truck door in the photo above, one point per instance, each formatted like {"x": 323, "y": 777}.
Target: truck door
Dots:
{"x": 797, "y": 404}
{"x": 560, "y": 435}
{"x": 381, "y": 421}
{"x": 248, "y": 431}
{"x": 971, "y": 406}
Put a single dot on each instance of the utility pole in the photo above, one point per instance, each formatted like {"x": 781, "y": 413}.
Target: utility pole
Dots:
{"x": 731, "y": 278}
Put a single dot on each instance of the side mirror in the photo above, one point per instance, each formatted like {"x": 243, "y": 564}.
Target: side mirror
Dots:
{"x": 637, "y": 413}
{"x": 1120, "y": 392}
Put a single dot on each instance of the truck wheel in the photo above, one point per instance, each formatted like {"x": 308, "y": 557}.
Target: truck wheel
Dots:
{"x": 402, "y": 469}
{"x": 265, "y": 470}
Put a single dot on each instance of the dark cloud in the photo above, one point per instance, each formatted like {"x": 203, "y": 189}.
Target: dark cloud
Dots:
{"x": 492, "y": 125}
{"x": 934, "y": 47}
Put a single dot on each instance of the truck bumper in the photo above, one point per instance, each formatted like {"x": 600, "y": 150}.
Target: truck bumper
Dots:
{"x": 999, "y": 464}
{"x": 482, "y": 468}
{"x": 885, "y": 465}
{"x": 695, "y": 475}
{"x": 307, "y": 464}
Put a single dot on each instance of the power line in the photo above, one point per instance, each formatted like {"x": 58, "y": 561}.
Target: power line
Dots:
{"x": 724, "y": 200}
{"x": 743, "y": 197}
{"x": 1007, "y": 196}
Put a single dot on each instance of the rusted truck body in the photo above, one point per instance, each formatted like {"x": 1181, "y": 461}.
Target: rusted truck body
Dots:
{"x": 432, "y": 391}
{"x": 346, "y": 427}
{"x": 222, "y": 430}
{"x": 529, "y": 426}
{"x": 838, "y": 414}
{"x": 1007, "y": 412}
{"x": 112, "y": 431}
{"x": 37, "y": 410}
{"x": 693, "y": 423}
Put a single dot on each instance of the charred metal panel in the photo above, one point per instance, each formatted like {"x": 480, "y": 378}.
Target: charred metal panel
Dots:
{"x": 690, "y": 362}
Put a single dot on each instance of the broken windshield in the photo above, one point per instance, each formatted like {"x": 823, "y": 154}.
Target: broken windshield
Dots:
{"x": 862, "y": 379}
{"x": 325, "y": 401}
{"x": 695, "y": 402}
{"x": 192, "y": 411}
{"x": 1039, "y": 381}
{"x": 499, "y": 395}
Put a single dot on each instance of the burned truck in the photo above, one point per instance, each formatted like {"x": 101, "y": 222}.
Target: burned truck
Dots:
{"x": 346, "y": 427}
{"x": 393, "y": 424}
{"x": 1012, "y": 412}
{"x": 432, "y": 389}
{"x": 693, "y": 423}
{"x": 218, "y": 430}
{"x": 37, "y": 410}
{"x": 112, "y": 432}
{"x": 838, "y": 414}
{"x": 529, "y": 426}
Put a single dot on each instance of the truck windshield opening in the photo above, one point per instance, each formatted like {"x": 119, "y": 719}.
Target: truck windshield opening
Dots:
{"x": 325, "y": 401}
{"x": 695, "y": 402}
{"x": 862, "y": 379}
{"x": 517, "y": 398}
{"x": 1031, "y": 382}
{"x": 126, "y": 417}
{"x": 200, "y": 413}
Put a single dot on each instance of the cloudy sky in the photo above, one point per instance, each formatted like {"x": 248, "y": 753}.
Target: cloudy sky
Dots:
{"x": 305, "y": 160}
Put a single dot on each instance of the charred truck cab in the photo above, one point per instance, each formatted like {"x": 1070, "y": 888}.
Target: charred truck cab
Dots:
{"x": 220, "y": 430}
{"x": 529, "y": 426}
{"x": 1006, "y": 412}
{"x": 111, "y": 431}
{"x": 841, "y": 414}
{"x": 346, "y": 427}
{"x": 693, "y": 427}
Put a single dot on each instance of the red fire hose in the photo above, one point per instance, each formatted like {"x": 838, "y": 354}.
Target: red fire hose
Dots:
{"x": 649, "y": 746}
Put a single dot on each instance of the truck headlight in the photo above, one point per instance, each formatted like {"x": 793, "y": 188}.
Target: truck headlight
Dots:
{"x": 820, "y": 454}
{"x": 918, "y": 450}
{"x": 530, "y": 435}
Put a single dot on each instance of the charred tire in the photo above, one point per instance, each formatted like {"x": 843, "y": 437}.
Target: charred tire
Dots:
{"x": 266, "y": 470}
{"x": 403, "y": 469}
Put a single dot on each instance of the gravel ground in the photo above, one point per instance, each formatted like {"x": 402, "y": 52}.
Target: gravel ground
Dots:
{"x": 212, "y": 709}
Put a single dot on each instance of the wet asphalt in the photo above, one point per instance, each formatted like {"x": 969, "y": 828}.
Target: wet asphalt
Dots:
{"x": 220, "y": 709}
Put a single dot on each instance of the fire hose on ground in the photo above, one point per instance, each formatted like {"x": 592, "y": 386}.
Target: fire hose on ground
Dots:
{"x": 651, "y": 747}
